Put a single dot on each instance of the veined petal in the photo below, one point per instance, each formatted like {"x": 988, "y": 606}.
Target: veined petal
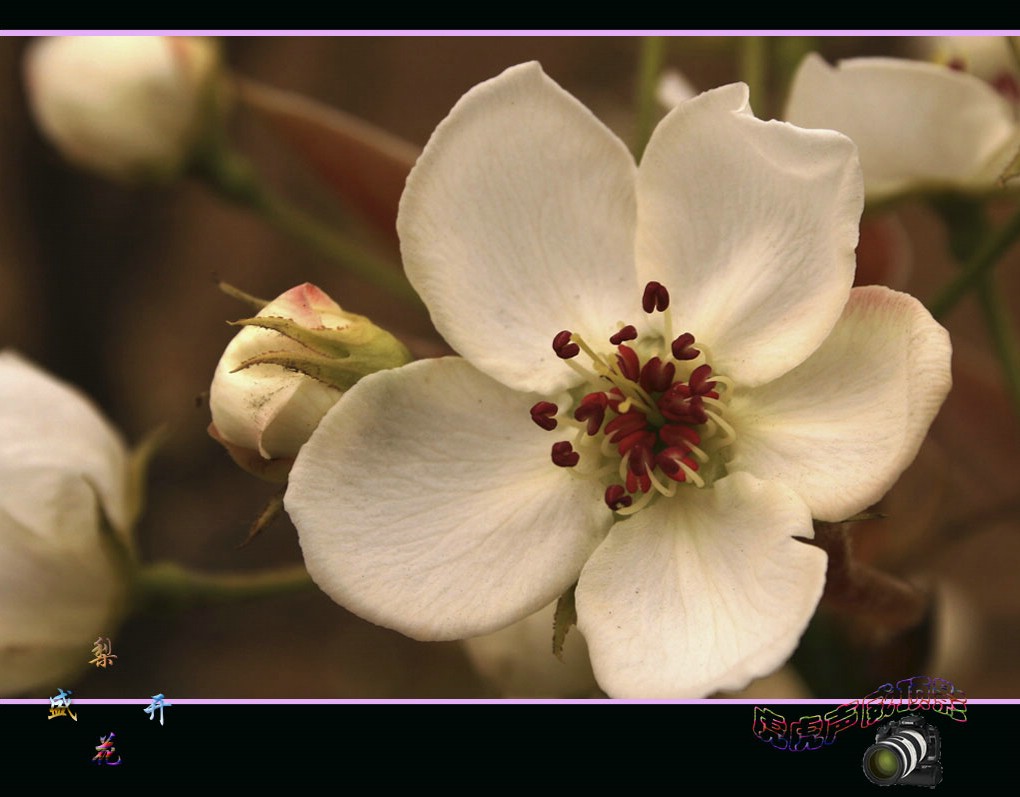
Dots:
{"x": 843, "y": 426}
{"x": 47, "y": 423}
{"x": 700, "y": 593}
{"x": 752, "y": 226}
{"x": 518, "y": 222}
{"x": 915, "y": 124}
{"x": 426, "y": 501}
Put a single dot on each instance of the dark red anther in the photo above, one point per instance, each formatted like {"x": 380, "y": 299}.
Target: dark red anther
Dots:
{"x": 656, "y": 375}
{"x": 636, "y": 483}
{"x": 563, "y": 454}
{"x": 678, "y": 405}
{"x": 593, "y": 410}
{"x": 628, "y": 363}
{"x": 957, "y": 64}
{"x": 655, "y": 297}
{"x": 682, "y": 349}
{"x": 677, "y": 435}
{"x": 623, "y": 425}
{"x": 700, "y": 386}
{"x": 640, "y": 460}
{"x": 564, "y": 347}
{"x": 625, "y": 334}
{"x": 643, "y": 438}
{"x": 542, "y": 414}
{"x": 669, "y": 461}
{"x": 617, "y": 498}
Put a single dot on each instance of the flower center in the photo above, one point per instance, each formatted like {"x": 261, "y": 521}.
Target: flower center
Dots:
{"x": 648, "y": 417}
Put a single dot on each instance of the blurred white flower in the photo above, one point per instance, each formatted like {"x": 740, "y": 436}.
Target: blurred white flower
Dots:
{"x": 916, "y": 125}
{"x": 129, "y": 107}
{"x": 988, "y": 57}
{"x": 697, "y": 436}
{"x": 518, "y": 660}
{"x": 65, "y": 518}
{"x": 290, "y": 364}
{"x": 674, "y": 88}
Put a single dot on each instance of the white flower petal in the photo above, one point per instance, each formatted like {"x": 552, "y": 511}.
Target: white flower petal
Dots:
{"x": 427, "y": 502}
{"x": 518, "y": 222}
{"x": 59, "y": 589}
{"x": 915, "y": 124}
{"x": 752, "y": 226}
{"x": 840, "y": 428}
{"x": 45, "y": 423}
{"x": 702, "y": 592}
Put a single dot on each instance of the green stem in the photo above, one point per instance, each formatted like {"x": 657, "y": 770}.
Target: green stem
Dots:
{"x": 1003, "y": 337}
{"x": 978, "y": 266}
{"x": 653, "y": 50}
{"x": 166, "y": 585}
{"x": 967, "y": 223}
{"x": 233, "y": 177}
{"x": 1013, "y": 42}
{"x": 754, "y": 71}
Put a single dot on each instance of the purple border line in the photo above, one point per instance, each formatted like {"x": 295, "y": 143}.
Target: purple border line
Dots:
{"x": 493, "y": 702}
{"x": 514, "y": 32}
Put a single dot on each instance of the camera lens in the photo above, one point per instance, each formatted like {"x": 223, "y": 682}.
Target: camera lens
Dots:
{"x": 894, "y": 758}
{"x": 882, "y": 763}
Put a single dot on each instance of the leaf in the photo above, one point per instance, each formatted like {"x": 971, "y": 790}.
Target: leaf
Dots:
{"x": 563, "y": 619}
{"x": 365, "y": 165}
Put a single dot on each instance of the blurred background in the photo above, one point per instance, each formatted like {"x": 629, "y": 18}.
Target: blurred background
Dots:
{"x": 113, "y": 289}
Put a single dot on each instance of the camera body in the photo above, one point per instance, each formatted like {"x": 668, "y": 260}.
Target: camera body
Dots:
{"x": 906, "y": 751}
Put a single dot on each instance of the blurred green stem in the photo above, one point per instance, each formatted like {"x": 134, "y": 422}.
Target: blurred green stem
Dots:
{"x": 1003, "y": 336}
{"x": 979, "y": 264}
{"x": 970, "y": 239}
{"x": 653, "y": 49}
{"x": 165, "y": 585}
{"x": 754, "y": 71}
{"x": 234, "y": 178}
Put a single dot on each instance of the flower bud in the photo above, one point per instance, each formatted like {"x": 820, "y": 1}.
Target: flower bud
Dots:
{"x": 133, "y": 108}
{"x": 285, "y": 369}
{"x": 65, "y": 518}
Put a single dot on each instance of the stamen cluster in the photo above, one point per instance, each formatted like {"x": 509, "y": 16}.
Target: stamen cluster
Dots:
{"x": 651, "y": 414}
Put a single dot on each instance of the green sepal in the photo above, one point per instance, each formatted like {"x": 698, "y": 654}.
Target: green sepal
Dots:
{"x": 563, "y": 619}
{"x": 270, "y": 512}
{"x": 1012, "y": 170}
{"x": 341, "y": 374}
{"x": 335, "y": 357}
{"x": 361, "y": 337}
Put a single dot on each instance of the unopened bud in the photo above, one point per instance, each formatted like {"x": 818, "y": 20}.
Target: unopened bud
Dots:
{"x": 133, "y": 108}
{"x": 285, "y": 369}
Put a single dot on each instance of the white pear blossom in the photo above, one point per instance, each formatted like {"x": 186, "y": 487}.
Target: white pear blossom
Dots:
{"x": 65, "y": 517}
{"x": 664, "y": 376}
{"x": 917, "y": 125}
{"x": 990, "y": 58}
{"x": 129, "y": 107}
